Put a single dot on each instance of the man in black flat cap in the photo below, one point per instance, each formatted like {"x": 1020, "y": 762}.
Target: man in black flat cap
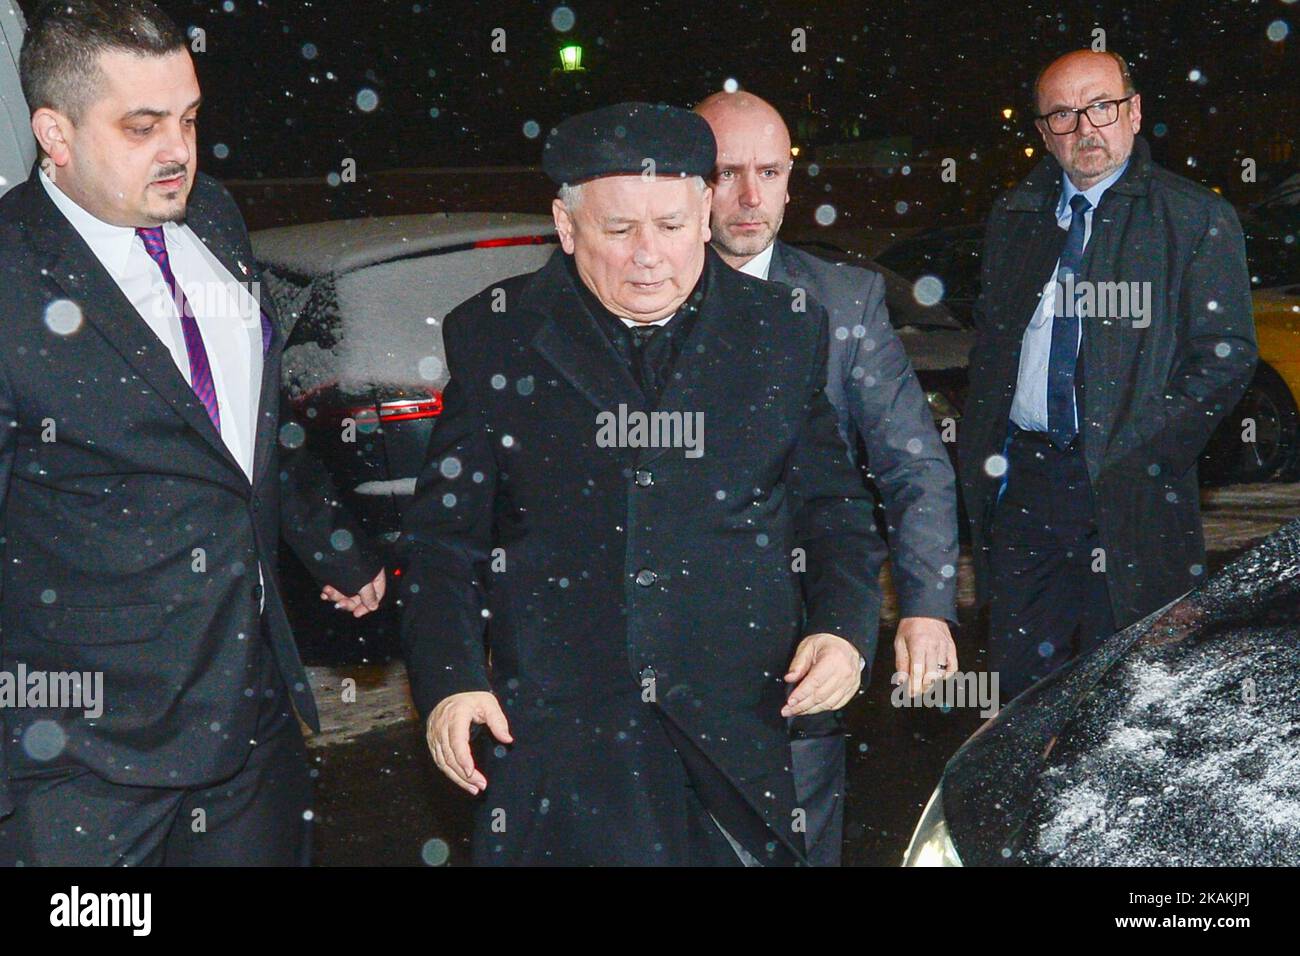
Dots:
{"x": 637, "y": 545}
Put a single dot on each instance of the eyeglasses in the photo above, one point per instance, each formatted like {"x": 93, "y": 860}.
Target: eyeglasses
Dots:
{"x": 1101, "y": 113}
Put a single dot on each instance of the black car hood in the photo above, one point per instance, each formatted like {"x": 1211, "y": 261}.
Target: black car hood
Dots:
{"x": 1177, "y": 742}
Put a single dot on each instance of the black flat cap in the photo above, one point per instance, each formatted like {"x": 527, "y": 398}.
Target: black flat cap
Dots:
{"x": 618, "y": 140}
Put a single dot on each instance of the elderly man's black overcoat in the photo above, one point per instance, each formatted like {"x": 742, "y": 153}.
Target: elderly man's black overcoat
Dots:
{"x": 640, "y": 606}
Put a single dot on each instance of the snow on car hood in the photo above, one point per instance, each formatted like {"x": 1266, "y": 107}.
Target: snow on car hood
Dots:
{"x": 1177, "y": 742}
{"x": 1197, "y": 764}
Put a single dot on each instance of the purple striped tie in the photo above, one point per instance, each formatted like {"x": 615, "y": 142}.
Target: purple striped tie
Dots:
{"x": 200, "y": 370}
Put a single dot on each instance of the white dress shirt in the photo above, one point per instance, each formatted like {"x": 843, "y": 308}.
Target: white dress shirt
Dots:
{"x": 634, "y": 324}
{"x": 1029, "y": 407}
{"x": 761, "y": 264}
{"x": 228, "y": 317}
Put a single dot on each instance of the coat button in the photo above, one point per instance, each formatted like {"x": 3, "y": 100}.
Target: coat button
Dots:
{"x": 644, "y": 479}
{"x": 645, "y": 577}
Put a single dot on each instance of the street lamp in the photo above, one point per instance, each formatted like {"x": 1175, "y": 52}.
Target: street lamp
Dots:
{"x": 571, "y": 58}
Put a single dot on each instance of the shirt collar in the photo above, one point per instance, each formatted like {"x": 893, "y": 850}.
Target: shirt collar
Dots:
{"x": 761, "y": 264}
{"x": 602, "y": 314}
{"x": 111, "y": 244}
{"x": 1093, "y": 193}
{"x": 634, "y": 324}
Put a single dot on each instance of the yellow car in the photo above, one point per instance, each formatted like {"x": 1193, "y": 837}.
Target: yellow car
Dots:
{"x": 1260, "y": 439}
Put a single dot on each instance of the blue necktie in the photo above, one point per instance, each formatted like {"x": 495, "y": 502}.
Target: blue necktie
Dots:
{"x": 1064, "y": 355}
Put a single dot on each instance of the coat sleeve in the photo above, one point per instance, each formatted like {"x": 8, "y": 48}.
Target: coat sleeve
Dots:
{"x": 980, "y": 434}
{"x": 984, "y": 333}
{"x": 8, "y": 448}
{"x": 908, "y": 462}
{"x": 447, "y": 533}
{"x": 834, "y": 523}
{"x": 314, "y": 523}
{"x": 1215, "y": 329}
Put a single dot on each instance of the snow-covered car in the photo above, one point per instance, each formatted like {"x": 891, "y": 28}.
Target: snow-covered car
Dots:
{"x": 364, "y": 367}
{"x": 1175, "y": 743}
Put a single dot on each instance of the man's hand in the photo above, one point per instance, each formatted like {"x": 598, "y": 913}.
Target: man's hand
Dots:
{"x": 828, "y": 670}
{"x": 361, "y": 603}
{"x": 447, "y": 733}
{"x": 923, "y": 653}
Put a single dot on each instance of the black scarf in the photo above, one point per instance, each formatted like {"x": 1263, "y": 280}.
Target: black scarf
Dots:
{"x": 649, "y": 351}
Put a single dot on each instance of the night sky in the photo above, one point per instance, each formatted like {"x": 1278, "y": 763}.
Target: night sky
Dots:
{"x": 293, "y": 88}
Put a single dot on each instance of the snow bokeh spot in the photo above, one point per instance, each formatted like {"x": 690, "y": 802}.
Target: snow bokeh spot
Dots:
{"x": 928, "y": 290}
{"x": 367, "y": 100}
{"x": 63, "y": 317}
{"x": 44, "y": 740}
{"x": 563, "y": 19}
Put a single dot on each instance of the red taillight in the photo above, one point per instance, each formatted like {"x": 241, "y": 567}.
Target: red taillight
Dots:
{"x": 512, "y": 241}
{"x": 398, "y": 410}
{"x": 406, "y": 409}
{"x": 403, "y": 411}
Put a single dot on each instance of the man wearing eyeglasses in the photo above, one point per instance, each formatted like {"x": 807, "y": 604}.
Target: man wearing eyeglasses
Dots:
{"x": 1114, "y": 332}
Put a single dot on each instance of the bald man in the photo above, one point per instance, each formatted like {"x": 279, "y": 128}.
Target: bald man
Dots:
{"x": 1114, "y": 332}
{"x": 881, "y": 412}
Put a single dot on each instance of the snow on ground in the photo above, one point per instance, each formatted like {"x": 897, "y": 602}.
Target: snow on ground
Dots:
{"x": 1236, "y": 516}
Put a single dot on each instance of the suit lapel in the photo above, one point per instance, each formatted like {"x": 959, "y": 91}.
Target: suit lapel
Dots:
{"x": 787, "y": 269}
{"x": 782, "y": 267}
{"x": 218, "y": 240}
{"x": 1103, "y": 341}
{"x": 223, "y": 247}
{"x": 268, "y": 404}
{"x": 76, "y": 270}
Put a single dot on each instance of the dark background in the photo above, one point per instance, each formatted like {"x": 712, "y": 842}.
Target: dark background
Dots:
{"x": 282, "y": 82}
{"x": 938, "y": 73}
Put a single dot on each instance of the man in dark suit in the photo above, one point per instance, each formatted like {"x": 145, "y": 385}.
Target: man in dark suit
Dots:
{"x": 1114, "y": 332}
{"x": 877, "y": 400}
{"x": 637, "y": 498}
{"x": 141, "y": 480}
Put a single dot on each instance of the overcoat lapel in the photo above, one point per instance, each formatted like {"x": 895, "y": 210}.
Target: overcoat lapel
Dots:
{"x": 704, "y": 374}
{"x": 571, "y": 341}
